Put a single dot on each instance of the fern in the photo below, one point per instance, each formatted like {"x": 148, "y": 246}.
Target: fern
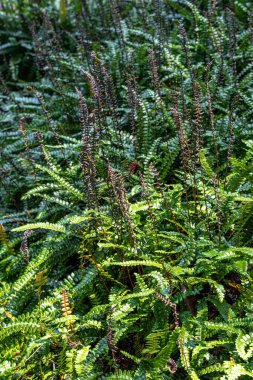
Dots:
{"x": 242, "y": 342}
{"x": 46, "y": 226}
{"x": 126, "y": 148}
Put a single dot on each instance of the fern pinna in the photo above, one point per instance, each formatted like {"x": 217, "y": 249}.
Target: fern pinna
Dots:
{"x": 126, "y": 197}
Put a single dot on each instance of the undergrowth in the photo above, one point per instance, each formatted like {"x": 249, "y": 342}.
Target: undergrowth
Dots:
{"x": 126, "y": 199}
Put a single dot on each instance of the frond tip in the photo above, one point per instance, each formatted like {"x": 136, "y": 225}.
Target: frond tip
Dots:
{"x": 41, "y": 225}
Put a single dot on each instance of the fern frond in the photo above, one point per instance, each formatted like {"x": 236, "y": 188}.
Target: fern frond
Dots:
{"x": 242, "y": 341}
{"x": 41, "y": 225}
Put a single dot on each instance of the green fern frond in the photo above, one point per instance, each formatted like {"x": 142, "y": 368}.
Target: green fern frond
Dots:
{"x": 41, "y": 225}
{"x": 242, "y": 341}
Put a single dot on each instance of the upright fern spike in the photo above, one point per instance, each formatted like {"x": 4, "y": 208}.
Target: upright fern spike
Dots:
{"x": 23, "y": 131}
{"x": 173, "y": 307}
{"x": 112, "y": 346}
{"x": 185, "y": 46}
{"x": 133, "y": 104}
{"x": 51, "y": 33}
{"x": 159, "y": 23}
{"x": 24, "y": 245}
{"x": 93, "y": 85}
{"x": 183, "y": 141}
{"x": 232, "y": 45}
{"x": 66, "y": 310}
{"x": 118, "y": 186}
{"x": 98, "y": 113}
{"x": 185, "y": 153}
{"x": 154, "y": 71}
{"x": 160, "y": 186}
{"x": 115, "y": 10}
{"x": 98, "y": 77}
{"x": 87, "y": 157}
{"x": 47, "y": 114}
{"x": 197, "y": 132}
{"x": 212, "y": 123}
{"x": 40, "y": 53}
{"x": 231, "y": 132}
{"x": 109, "y": 94}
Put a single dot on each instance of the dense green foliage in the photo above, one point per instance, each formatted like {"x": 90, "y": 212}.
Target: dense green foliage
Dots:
{"x": 126, "y": 219}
